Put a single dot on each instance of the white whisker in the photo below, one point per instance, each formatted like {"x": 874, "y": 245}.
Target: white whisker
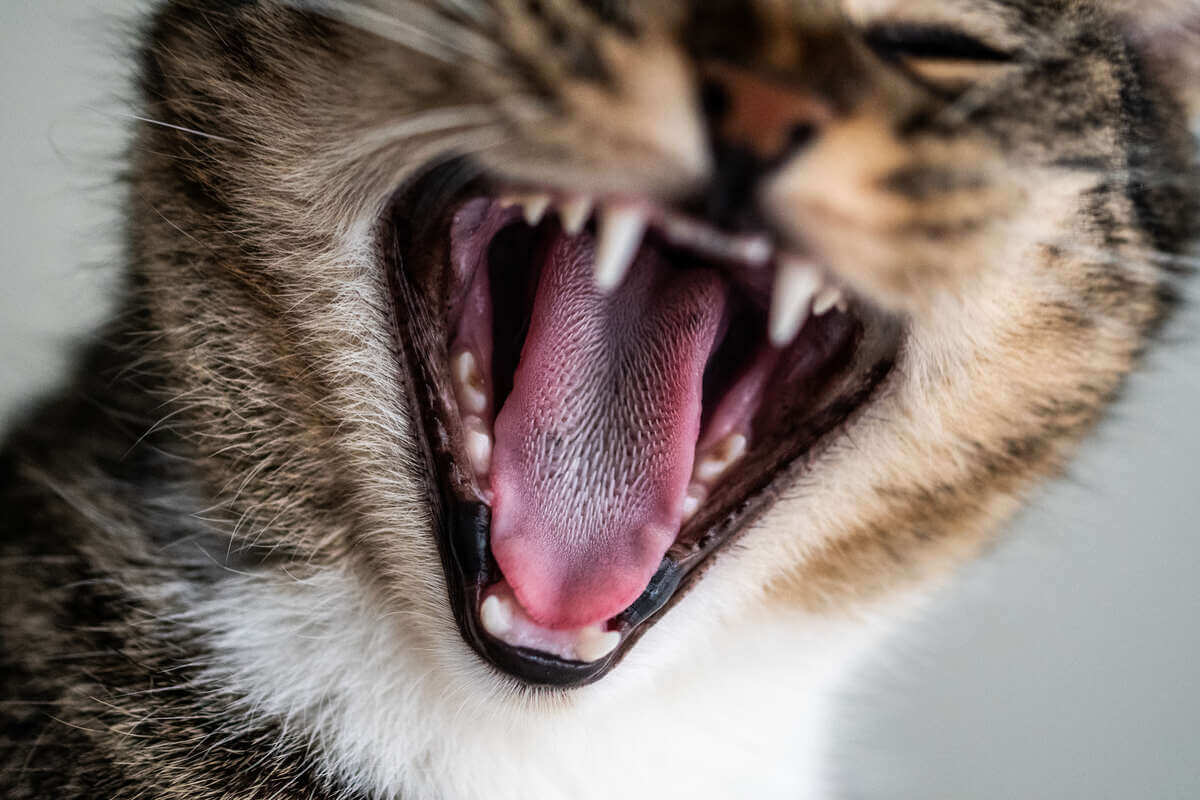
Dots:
{"x": 410, "y": 25}
{"x": 433, "y": 120}
{"x": 162, "y": 124}
{"x": 476, "y": 10}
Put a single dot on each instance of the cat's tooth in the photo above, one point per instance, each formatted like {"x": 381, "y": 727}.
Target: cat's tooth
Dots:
{"x": 534, "y": 208}
{"x": 469, "y": 383}
{"x": 756, "y": 251}
{"x": 721, "y": 458}
{"x": 826, "y": 299}
{"x": 693, "y": 500}
{"x": 496, "y": 614}
{"x": 574, "y": 214}
{"x": 479, "y": 444}
{"x": 796, "y": 281}
{"x": 594, "y": 644}
{"x": 620, "y": 233}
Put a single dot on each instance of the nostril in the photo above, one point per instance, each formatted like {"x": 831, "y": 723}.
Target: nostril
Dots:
{"x": 800, "y": 136}
{"x": 756, "y": 123}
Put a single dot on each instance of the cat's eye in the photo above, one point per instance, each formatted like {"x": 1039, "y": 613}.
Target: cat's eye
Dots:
{"x": 927, "y": 42}
{"x": 943, "y": 58}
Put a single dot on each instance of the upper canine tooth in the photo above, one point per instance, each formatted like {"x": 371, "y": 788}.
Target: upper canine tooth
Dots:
{"x": 574, "y": 214}
{"x": 496, "y": 614}
{"x": 621, "y": 230}
{"x": 826, "y": 299}
{"x": 534, "y": 207}
{"x": 594, "y": 644}
{"x": 796, "y": 281}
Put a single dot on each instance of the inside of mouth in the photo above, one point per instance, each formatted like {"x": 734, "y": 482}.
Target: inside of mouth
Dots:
{"x": 602, "y": 426}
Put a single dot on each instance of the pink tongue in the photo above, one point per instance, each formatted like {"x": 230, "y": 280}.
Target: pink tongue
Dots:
{"x": 594, "y": 445}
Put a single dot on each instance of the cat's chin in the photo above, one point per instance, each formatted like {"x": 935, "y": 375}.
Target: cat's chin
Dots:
{"x": 609, "y": 393}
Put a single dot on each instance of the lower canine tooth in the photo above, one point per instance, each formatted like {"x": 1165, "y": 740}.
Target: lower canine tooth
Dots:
{"x": 620, "y": 233}
{"x": 479, "y": 445}
{"x": 496, "y": 615}
{"x": 722, "y": 458}
{"x": 595, "y": 644}
{"x": 574, "y": 214}
{"x": 828, "y": 297}
{"x": 796, "y": 281}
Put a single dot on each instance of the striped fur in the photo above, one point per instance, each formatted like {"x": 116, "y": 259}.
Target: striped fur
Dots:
{"x": 220, "y": 579}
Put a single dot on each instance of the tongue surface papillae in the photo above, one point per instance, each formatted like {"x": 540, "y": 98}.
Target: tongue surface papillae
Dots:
{"x": 594, "y": 445}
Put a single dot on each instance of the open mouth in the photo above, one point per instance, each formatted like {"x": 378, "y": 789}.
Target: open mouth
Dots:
{"x": 609, "y": 392}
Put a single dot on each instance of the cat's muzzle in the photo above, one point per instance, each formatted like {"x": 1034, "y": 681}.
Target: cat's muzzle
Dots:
{"x": 610, "y": 390}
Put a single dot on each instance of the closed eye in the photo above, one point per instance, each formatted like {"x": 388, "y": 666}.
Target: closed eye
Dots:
{"x": 927, "y": 42}
{"x": 945, "y": 60}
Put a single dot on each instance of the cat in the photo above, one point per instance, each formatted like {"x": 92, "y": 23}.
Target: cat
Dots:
{"x": 555, "y": 398}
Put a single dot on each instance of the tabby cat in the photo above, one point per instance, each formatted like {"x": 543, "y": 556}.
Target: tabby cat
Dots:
{"x": 552, "y": 398}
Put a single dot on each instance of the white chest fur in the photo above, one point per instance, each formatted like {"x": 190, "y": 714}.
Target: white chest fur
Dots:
{"x": 742, "y": 715}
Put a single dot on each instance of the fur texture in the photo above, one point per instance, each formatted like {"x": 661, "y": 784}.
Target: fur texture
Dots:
{"x": 220, "y": 577}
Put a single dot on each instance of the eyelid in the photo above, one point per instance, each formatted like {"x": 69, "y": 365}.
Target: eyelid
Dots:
{"x": 953, "y": 75}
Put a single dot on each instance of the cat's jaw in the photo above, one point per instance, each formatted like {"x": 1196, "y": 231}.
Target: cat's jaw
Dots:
{"x": 391, "y": 716}
{"x": 609, "y": 390}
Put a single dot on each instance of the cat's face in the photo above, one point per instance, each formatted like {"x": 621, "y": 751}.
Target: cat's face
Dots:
{"x": 593, "y": 316}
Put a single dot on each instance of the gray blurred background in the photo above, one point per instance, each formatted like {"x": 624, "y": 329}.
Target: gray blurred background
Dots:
{"x": 1062, "y": 666}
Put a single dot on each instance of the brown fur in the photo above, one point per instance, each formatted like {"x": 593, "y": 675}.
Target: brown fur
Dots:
{"x": 1025, "y": 229}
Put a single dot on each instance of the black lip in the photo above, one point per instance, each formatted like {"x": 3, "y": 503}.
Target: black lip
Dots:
{"x": 468, "y": 566}
{"x": 462, "y": 521}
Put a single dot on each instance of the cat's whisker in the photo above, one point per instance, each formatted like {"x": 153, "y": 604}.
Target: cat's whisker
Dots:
{"x": 161, "y": 124}
{"x": 437, "y": 120}
{"x": 411, "y": 25}
{"x": 476, "y": 10}
{"x": 465, "y": 143}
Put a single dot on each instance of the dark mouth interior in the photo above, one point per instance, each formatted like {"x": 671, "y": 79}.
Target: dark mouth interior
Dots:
{"x": 458, "y": 252}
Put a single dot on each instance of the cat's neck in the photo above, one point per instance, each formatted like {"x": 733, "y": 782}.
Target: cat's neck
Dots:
{"x": 749, "y": 717}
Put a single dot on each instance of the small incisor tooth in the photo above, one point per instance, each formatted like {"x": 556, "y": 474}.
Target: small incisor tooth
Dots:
{"x": 479, "y": 444}
{"x": 826, "y": 299}
{"x": 693, "y": 500}
{"x": 594, "y": 644}
{"x": 469, "y": 383}
{"x": 721, "y": 458}
{"x": 496, "y": 614}
{"x": 534, "y": 208}
{"x": 574, "y": 214}
{"x": 620, "y": 235}
{"x": 756, "y": 250}
{"x": 796, "y": 282}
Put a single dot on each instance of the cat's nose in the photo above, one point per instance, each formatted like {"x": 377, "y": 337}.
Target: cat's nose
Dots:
{"x": 755, "y": 125}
